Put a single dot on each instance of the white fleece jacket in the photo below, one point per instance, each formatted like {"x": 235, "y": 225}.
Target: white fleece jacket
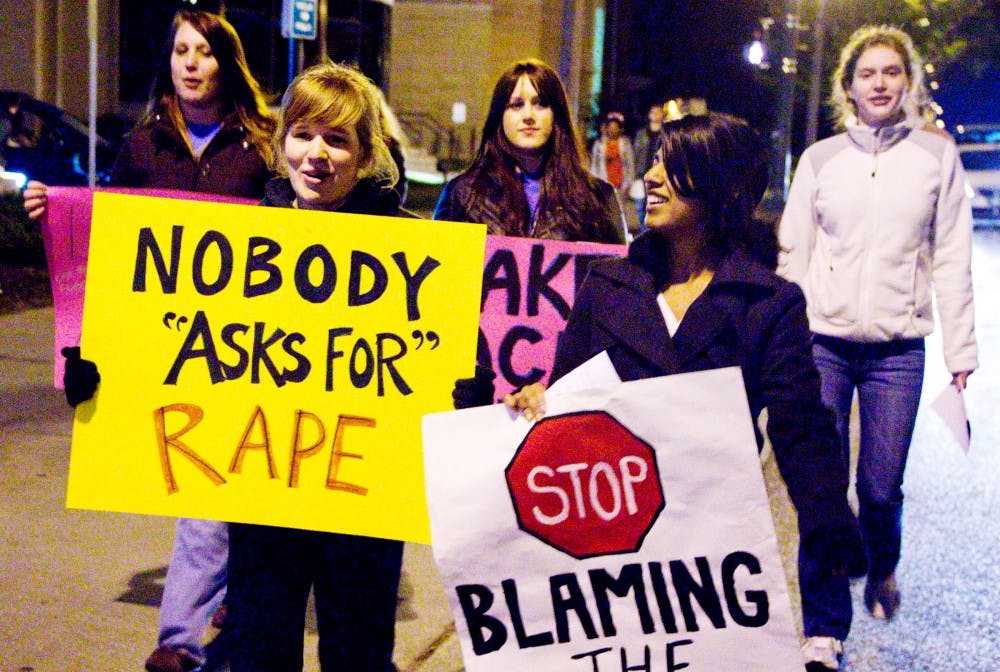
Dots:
{"x": 876, "y": 219}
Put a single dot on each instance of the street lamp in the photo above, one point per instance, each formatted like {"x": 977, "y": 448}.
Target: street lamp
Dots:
{"x": 787, "y": 35}
{"x": 816, "y": 73}
{"x": 755, "y": 53}
{"x": 774, "y": 45}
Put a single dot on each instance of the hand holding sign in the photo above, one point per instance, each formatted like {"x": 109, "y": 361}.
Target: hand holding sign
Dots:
{"x": 80, "y": 377}
{"x": 475, "y": 391}
{"x": 603, "y": 537}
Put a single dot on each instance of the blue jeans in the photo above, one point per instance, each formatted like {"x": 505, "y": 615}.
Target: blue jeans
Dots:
{"x": 195, "y": 585}
{"x": 888, "y": 378}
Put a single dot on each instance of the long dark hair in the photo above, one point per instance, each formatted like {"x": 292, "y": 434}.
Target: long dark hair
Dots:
{"x": 569, "y": 195}
{"x": 240, "y": 92}
{"x": 722, "y": 161}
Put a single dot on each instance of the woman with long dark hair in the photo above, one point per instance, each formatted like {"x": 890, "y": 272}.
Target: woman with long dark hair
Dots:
{"x": 528, "y": 178}
{"x": 206, "y": 126}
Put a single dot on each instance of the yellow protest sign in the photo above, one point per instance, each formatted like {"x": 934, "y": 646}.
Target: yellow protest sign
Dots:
{"x": 269, "y": 365}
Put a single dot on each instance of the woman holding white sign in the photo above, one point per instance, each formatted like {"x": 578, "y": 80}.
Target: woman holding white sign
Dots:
{"x": 332, "y": 156}
{"x": 698, "y": 291}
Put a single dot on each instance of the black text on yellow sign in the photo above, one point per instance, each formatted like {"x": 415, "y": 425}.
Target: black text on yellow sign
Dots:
{"x": 266, "y": 352}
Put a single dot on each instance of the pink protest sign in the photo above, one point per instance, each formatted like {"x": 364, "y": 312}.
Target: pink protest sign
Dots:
{"x": 528, "y": 290}
{"x": 66, "y": 235}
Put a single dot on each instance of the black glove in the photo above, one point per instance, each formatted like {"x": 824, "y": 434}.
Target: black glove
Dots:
{"x": 80, "y": 377}
{"x": 475, "y": 391}
{"x": 838, "y": 547}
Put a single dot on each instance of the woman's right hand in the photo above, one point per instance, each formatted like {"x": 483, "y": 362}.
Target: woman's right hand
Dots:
{"x": 80, "y": 377}
{"x": 960, "y": 379}
{"x": 529, "y": 400}
{"x": 36, "y": 199}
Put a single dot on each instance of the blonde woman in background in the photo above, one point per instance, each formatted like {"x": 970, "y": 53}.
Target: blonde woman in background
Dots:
{"x": 876, "y": 224}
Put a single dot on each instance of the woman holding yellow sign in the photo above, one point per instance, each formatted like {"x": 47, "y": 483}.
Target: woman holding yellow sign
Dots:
{"x": 332, "y": 156}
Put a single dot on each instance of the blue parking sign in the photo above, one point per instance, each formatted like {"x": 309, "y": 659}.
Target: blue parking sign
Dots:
{"x": 298, "y": 19}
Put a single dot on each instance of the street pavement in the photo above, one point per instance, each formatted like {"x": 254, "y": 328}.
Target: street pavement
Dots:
{"x": 79, "y": 589}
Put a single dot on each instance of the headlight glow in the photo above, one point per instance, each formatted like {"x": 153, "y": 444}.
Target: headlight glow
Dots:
{"x": 19, "y": 179}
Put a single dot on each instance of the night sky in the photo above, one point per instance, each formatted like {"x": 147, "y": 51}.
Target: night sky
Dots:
{"x": 683, "y": 48}
{"x": 968, "y": 97}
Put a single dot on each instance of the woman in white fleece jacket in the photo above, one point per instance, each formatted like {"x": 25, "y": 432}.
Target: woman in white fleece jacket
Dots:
{"x": 876, "y": 222}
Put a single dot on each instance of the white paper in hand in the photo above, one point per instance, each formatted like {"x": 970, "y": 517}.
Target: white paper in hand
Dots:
{"x": 950, "y": 407}
{"x": 596, "y": 373}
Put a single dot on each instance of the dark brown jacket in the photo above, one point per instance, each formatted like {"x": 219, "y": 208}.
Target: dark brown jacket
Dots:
{"x": 155, "y": 156}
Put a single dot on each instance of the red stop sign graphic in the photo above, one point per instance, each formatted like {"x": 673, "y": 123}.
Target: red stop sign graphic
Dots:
{"x": 583, "y": 483}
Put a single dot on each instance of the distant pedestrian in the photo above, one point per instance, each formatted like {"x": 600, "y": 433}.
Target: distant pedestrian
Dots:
{"x": 644, "y": 146}
{"x": 611, "y": 157}
{"x": 877, "y": 223}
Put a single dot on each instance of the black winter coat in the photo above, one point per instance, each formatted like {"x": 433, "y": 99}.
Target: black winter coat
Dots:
{"x": 367, "y": 198}
{"x": 154, "y": 155}
{"x": 747, "y": 317}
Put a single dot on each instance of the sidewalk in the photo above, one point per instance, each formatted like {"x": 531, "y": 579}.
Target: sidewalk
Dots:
{"x": 79, "y": 589}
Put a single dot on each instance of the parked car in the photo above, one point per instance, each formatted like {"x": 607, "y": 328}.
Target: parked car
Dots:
{"x": 39, "y": 141}
{"x": 976, "y": 134}
{"x": 982, "y": 167}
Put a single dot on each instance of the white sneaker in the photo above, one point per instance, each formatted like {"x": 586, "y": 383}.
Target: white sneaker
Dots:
{"x": 822, "y": 653}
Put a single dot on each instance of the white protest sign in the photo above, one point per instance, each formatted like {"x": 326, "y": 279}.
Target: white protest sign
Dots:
{"x": 629, "y": 529}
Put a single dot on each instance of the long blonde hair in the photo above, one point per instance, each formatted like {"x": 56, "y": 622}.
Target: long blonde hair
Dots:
{"x": 338, "y": 96}
{"x": 917, "y": 102}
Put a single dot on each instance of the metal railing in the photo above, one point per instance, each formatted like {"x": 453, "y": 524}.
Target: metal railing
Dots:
{"x": 452, "y": 145}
